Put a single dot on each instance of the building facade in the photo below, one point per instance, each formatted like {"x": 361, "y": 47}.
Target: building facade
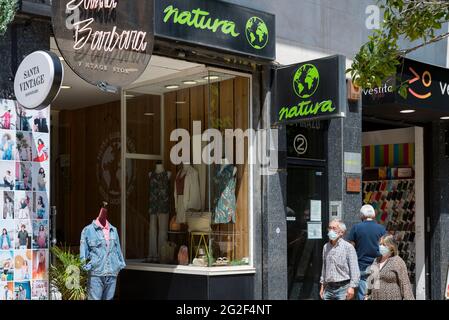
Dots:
{"x": 300, "y": 195}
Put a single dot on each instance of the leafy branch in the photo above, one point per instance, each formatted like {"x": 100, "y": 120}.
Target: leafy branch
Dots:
{"x": 409, "y": 20}
{"x": 8, "y": 10}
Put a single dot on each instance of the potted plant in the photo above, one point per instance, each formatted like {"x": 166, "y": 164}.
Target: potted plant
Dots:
{"x": 67, "y": 277}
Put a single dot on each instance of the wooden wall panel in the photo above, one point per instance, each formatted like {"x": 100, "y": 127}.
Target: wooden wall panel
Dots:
{"x": 197, "y": 105}
{"x": 144, "y": 124}
{"x": 226, "y": 121}
{"x": 84, "y": 134}
{"x": 170, "y": 125}
{"x": 212, "y": 105}
{"x": 241, "y": 107}
{"x": 183, "y": 109}
{"x": 138, "y": 219}
{"x": 226, "y": 113}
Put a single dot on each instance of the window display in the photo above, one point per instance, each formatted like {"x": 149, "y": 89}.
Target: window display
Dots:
{"x": 224, "y": 203}
{"x": 204, "y": 220}
{"x": 159, "y": 210}
{"x": 187, "y": 192}
{"x": 394, "y": 201}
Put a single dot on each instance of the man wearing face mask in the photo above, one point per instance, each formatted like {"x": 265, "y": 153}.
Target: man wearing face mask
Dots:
{"x": 365, "y": 237}
{"x": 340, "y": 273}
{"x": 101, "y": 252}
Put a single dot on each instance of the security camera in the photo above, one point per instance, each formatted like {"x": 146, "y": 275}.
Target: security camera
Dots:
{"x": 104, "y": 86}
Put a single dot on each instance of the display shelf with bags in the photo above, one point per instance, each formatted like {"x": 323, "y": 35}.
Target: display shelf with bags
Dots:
{"x": 394, "y": 202}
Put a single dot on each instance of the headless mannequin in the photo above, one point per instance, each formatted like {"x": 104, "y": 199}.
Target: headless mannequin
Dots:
{"x": 184, "y": 168}
{"x": 103, "y": 216}
{"x": 224, "y": 163}
{"x": 160, "y": 169}
{"x": 187, "y": 192}
{"x": 103, "y": 220}
{"x": 224, "y": 205}
{"x": 158, "y": 223}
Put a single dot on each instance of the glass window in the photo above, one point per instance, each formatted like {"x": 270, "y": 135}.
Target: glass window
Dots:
{"x": 143, "y": 119}
{"x": 187, "y": 204}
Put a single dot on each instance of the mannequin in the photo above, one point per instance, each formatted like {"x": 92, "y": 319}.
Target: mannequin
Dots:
{"x": 187, "y": 192}
{"x": 103, "y": 215}
{"x": 159, "y": 209}
{"x": 224, "y": 205}
{"x": 100, "y": 250}
{"x": 225, "y": 162}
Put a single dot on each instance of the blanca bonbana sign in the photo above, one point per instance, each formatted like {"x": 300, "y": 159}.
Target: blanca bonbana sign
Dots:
{"x": 107, "y": 43}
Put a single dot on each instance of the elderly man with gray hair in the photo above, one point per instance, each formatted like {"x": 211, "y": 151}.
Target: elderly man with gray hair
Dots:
{"x": 365, "y": 237}
{"x": 340, "y": 272}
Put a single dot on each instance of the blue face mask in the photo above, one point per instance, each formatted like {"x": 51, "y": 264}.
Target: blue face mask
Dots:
{"x": 384, "y": 250}
{"x": 332, "y": 235}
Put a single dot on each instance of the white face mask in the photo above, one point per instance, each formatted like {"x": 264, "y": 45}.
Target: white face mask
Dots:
{"x": 333, "y": 235}
{"x": 384, "y": 250}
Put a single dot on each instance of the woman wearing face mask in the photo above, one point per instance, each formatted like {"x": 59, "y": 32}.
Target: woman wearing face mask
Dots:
{"x": 389, "y": 278}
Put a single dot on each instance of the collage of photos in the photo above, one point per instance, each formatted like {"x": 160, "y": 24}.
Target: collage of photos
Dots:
{"x": 24, "y": 202}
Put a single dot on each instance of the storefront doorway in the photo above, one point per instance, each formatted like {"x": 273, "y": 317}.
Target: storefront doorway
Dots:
{"x": 306, "y": 191}
{"x": 307, "y": 215}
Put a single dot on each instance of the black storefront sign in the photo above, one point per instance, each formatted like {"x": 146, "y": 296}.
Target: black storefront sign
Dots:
{"x": 311, "y": 90}
{"x": 217, "y": 24}
{"x": 427, "y": 88}
{"x": 306, "y": 140}
{"x": 107, "y": 43}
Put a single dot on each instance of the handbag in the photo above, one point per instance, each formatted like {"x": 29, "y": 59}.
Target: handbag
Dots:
{"x": 199, "y": 221}
{"x": 174, "y": 226}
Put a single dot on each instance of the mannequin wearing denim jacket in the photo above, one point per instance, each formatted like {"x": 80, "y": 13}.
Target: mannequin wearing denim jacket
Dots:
{"x": 103, "y": 257}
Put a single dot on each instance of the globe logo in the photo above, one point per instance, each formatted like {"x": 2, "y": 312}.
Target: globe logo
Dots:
{"x": 306, "y": 81}
{"x": 256, "y": 33}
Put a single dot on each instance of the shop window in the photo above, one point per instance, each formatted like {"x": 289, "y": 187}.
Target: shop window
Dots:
{"x": 193, "y": 213}
{"x": 87, "y": 165}
{"x": 389, "y": 185}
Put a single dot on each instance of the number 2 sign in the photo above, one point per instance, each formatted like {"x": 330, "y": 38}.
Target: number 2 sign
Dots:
{"x": 301, "y": 144}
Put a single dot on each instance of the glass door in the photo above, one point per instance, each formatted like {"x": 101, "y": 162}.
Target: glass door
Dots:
{"x": 306, "y": 219}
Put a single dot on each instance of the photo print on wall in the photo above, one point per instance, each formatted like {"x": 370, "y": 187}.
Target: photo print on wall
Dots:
{"x": 24, "y": 202}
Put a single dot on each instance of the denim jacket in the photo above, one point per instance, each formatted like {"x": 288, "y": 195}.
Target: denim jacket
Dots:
{"x": 101, "y": 260}
{"x": 8, "y": 240}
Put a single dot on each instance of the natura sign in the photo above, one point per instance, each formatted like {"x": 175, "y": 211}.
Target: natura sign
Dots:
{"x": 217, "y": 24}
{"x": 311, "y": 90}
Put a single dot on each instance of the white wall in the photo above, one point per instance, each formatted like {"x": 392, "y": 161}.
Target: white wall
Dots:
{"x": 309, "y": 29}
